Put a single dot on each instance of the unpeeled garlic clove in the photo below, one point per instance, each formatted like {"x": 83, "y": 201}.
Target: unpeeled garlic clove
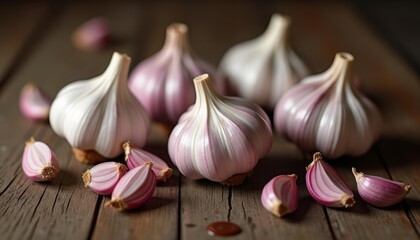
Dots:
{"x": 264, "y": 68}
{"x": 103, "y": 178}
{"x": 34, "y": 103}
{"x": 92, "y": 35}
{"x": 378, "y": 191}
{"x": 280, "y": 195}
{"x": 219, "y": 137}
{"x": 326, "y": 113}
{"x": 136, "y": 157}
{"x": 326, "y": 186}
{"x": 98, "y": 115}
{"x": 134, "y": 188}
{"x": 163, "y": 82}
{"x": 39, "y": 162}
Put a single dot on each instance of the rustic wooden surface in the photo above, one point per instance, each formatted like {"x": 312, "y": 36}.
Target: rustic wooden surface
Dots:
{"x": 35, "y": 47}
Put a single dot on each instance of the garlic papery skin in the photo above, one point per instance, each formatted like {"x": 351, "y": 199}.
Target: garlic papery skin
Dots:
{"x": 163, "y": 82}
{"x": 326, "y": 113}
{"x": 326, "y": 186}
{"x": 378, "y": 191}
{"x": 136, "y": 157}
{"x": 92, "y": 35}
{"x": 219, "y": 136}
{"x": 262, "y": 69}
{"x": 100, "y": 114}
{"x": 103, "y": 177}
{"x": 280, "y": 195}
{"x": 34, "y": 103}
{"x": 134, "y": 188}
{"x": 39, "y": 162}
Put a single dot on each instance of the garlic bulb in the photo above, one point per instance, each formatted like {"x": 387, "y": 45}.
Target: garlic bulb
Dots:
{"x": 219, "y": 136}
{"x": 163, "y": 82}
{"x": 280, "y": 195}
{"x": 34, "y": 103}
{"x": 262, "y": 69}
{"x": 326, "y": 113}
{"x": 99, "y": 114}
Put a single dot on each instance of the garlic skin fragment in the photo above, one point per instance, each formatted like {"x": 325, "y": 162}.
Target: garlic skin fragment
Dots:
{"x": 92, "y": 35}
{"x": 136, "y": 157}
{"x": 103, "y": 177}
{"x": 134, "y": 189}
{"x": 263, "y": 69}
{"x": 34, "y": 103}
{"x": 378, "y": 191}
{"x": 219, "y": 136}
{"x": 326, "y": 186}
{"x": 326, "y": 113}
{"x": 39, "y": 162}
{"x": 163, "y": 82}
{"x": 100, "y": 114}
{"x": 280, "y": 195}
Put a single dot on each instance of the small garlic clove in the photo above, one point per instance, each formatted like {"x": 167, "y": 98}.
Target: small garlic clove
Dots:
{"x": 103, "y": 177}
{"x": 219, "y": 138}
{"x": 34, "y": 103}
{"x": 92, "y": 35}
{"x": 163, "y": 83}
{"x": 39, "y": 162}
{"x": 134, "y": 188}
{"x": 326, "y": 113}
{"x": 326, "y": 186}
{"x": 280, "y": 195}
{"x": 378, "y": 191}
{"x": 136, "y": 157}
{"x": 263, "y": 69}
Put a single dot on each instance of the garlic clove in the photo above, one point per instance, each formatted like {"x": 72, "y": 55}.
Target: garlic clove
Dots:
{"x": 162, "y": 83}
{"x": 263, "y": 69}
{"x": 92, "y": 35}
{"x": 136, "y": 157}
{"x": 96, "y": 116}
{"x": 219, "y": 137}
{"x": 103, "y": 177}
{"x": 326, "y": 186}
{"x": 325, "y": 112}
{"x": 378, "y": 191}
{"x": 34, "y": 103}
{"x": 280, "y": 195}
{"x": 134, "y": 188}
{"x": 39, "y": 162}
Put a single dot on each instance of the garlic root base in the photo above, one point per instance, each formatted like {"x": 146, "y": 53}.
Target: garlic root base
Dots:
{"x": 87, "y": 156}
{"x": 236, "y": 179}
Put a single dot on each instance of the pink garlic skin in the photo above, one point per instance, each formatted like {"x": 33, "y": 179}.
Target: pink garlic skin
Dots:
{"x": 34, "y": 103}
{"x": 92, "y": 35}
{"x": 103, "y": 177}
{"x": 326, "y": 186}
{"x": 134, "y": 188}
{"x": 280, "y": 195}
{"x": 163, "y": 82}
{"x": 378, "y": 191}
{"x": 136, "y": 157}
{"x": 39, "y": 162}
{"x": 219, "y": 136}
{"x": 326, "y": 113}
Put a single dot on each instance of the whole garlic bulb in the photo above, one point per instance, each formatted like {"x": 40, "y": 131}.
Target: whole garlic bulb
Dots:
{"x": 326, "y": 113}
{"x": 219, "y": 136}
{"x": 262, "y": 69}
{"x": 163, "y": 82}
{"x": 100, "y": 114}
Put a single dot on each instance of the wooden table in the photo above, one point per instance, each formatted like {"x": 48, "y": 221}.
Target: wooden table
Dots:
{"x": 35, "y": 47}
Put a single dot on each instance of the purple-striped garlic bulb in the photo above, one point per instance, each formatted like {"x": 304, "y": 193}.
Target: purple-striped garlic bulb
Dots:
{"x": 326, "y": 113}
{"x": 264, "y": 68}
{"x": 219, "y": 138}
{"x": 163, "y": 82}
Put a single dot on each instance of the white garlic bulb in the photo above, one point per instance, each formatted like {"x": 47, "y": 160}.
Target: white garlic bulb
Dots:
{"x": 219, "y": 137}
{"x": 326, "y": 113}
{"x": 100, "y": 114}
{"x": 163, "y": 82}
{"x": 262, "y": 69}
